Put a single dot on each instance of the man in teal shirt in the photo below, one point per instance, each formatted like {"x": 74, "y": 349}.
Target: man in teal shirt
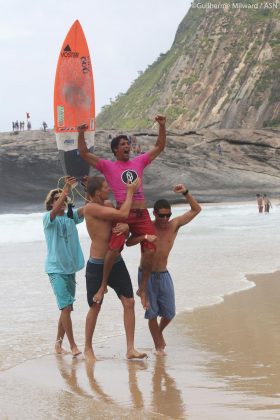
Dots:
{"x": 64, "y": 258}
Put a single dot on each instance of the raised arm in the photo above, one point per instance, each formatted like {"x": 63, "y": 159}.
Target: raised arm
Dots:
{"x": 91, "y": 158}
{"x": 190, "y": 214}
{"x": 60, "y": 203}
{"x": 161, "y": 140}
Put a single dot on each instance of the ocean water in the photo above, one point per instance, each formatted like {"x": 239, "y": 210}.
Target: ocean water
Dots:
{"x": 210, "y": 259}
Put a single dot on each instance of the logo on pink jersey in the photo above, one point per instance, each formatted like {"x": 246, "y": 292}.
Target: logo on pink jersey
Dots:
{"x": 128, "y": 176}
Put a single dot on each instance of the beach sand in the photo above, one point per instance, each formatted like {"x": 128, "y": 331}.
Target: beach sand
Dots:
{"x": 222, "y": 363}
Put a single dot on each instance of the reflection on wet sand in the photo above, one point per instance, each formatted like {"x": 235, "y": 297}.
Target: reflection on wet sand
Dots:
{"x": 94, "y": 385}
{"x": 166, "y": 397}
{"x": 137, "y": 384}
{"x": 68, "y": 370}
{"x": 73, "y": 372}
{"x": 243, "y": 333}
{"x": 136, "y": 395}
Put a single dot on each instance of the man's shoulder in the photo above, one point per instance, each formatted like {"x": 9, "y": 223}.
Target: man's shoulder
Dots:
{"x": 91, "y": 207}
{"x": 104, "y": 162}
{"x": 141, "y": 156}
{"x": 170, "y": 227}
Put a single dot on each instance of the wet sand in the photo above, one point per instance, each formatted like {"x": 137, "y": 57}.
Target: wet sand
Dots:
{"x": 222, "y": 363}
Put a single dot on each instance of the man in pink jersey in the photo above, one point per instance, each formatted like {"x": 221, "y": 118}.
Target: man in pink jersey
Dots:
{"x": 118, "y": 174}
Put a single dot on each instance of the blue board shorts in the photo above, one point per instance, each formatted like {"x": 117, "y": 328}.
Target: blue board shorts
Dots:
{"x": 64, "y": 287}
{"x": 161, "y": 295}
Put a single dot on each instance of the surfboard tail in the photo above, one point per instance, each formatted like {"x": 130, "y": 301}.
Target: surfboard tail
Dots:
{"x": 71, "y": 161}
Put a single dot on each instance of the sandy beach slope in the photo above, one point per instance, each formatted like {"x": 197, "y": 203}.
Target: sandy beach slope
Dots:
{"x": 222, "y": 363}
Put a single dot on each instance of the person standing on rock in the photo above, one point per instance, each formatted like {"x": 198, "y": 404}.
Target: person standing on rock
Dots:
{"x": 259, "y": 202}
{"x": 64, "y": 258}
{"x": 118, "y": 174}
{"x": 160, "y": 285}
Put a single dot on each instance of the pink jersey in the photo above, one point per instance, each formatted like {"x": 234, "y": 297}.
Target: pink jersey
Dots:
{"x": 118, "y": 173}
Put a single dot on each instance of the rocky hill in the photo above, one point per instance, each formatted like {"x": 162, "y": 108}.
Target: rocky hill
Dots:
{"x": 222, "y": 70}
{"x": 216, "y": 164}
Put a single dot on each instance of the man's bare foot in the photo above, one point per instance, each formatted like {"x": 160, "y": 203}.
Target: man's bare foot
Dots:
{"x": 89, "y": 355}
{"x": 134, "y": 354}
{"x": 75, "y": 351}
{"x": 58, "y": 347}
{"x": 160, "y": 352}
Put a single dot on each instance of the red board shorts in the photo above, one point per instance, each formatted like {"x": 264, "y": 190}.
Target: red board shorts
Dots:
{"x": 140, "y": 223}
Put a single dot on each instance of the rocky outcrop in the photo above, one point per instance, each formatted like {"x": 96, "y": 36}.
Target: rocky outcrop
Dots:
{"x": 222, "y": 70}
{"x": 216, "y": 165}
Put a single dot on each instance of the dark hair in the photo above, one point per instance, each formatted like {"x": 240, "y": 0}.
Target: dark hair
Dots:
{"x": 94, "y": 183}
{"x": 116, "y": 140}
{"x": 161, "y": 204}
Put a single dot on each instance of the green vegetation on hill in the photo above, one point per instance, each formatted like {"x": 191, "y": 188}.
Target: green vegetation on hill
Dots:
{"x": 220, "y": 60}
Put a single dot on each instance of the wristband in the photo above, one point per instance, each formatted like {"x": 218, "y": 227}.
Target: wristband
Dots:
{"x": 185, "y": 192}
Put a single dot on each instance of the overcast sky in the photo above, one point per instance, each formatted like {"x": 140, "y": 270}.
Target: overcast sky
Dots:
{"x": 124, "y": 36}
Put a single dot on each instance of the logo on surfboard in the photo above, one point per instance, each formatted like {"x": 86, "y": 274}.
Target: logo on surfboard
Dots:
{"x": 128, "y": 176}
{"x": 86, "y": 65}
{"x": 67, "y": 52}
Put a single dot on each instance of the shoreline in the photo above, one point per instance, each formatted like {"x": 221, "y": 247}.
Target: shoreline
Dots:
{"x": 39, "y": 207}
{"x": 222, "y": 362}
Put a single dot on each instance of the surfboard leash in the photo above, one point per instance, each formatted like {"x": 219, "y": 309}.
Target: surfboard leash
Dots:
{"x": 81, "y": 195}
{"x": 73, "y": 190}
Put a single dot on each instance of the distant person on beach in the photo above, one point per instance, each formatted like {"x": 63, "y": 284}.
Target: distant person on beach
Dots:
{"x": 64, "y": 258}
{"x": 99, "y": 215}
{"x": 44, "y": 124}
{"x": 28, "y": 125}
{"x": 267, "y": 203}
{"x": 259, "y": 202}
{"x": 118, "y": 174}
{"x": 160, "y": 286}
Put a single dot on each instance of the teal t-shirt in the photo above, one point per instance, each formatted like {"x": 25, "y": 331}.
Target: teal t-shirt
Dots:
{"x": 65, "y": 255}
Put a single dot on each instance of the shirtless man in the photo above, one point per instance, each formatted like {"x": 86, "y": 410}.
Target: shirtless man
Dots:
{"x": 160, "y": 285}
{"x": 118, "y": 174}
{"x": 99, "y": 215}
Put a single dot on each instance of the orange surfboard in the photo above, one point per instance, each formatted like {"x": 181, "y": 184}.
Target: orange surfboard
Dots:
{"x": 74, "y": 101}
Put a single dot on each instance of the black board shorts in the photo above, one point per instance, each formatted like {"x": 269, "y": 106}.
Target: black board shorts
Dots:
{"x": 119, "y": 279}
